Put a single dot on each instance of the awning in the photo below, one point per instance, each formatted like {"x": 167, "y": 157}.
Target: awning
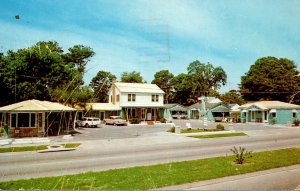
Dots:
{"x": 178, "y": 108}
{"x": 102, "y": 107}
{"x": 294, "y": 111}
{"x": 273, "y": 111}
{"x": 244, "y": 111}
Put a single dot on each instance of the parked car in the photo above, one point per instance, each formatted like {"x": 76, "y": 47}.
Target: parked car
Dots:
{"x": 115, "y": 120}
{"x": 89, "y": 122}
{"x": 179, "y": 116}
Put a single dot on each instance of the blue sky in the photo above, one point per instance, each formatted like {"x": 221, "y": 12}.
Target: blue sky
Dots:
{"x": 151, "y": 35}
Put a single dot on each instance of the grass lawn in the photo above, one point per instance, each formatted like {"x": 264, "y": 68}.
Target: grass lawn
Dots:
{"x": 71, "y": 145}
{"x": 34, "y": 148}
{"x": 197, "y": 130}
{"x": 156, "y": 176}
{"x": 219, "y": 135}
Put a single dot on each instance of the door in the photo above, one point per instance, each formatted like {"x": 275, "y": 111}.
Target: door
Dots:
{"x": 40, "y": 124}
{"x": 252, "y": 115}
{"x": 102, "y": 115}
{"x": 266, "y": 116}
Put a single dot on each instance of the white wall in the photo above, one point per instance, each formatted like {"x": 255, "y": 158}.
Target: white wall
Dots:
{"x": 141, "y": 100}
{"x": 117, "y": 93}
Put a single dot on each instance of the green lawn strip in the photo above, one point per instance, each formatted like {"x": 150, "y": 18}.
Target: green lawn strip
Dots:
{"x": 197, "y": 130}
{"x": 71, "y": 145}
{"x": 219, "y": 135}
{"x": 22, "y": 149}
{"x": 156, "y": 176}
{"x": 35, "y": 148}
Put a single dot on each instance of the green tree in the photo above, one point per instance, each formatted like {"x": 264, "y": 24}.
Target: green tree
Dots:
{"x": 78, "y": 56}
{"x": 204, "y": 77}
{"x": 101, "y": 84}
{"x": 37, "y": 72}
{"x": 271, "y": 78}
{"x": 29, "y": 73}
{"x": 164, "y": 80}
{"x": 131, "y": 77}
{"x": 182, "y": 90}
{"x": 232, "y": 96}
{"x": 77, "y": 96}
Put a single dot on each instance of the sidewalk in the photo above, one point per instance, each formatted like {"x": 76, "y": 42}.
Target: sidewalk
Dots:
{"x": 34, "y": 140}
{"x": 285, "y": 178}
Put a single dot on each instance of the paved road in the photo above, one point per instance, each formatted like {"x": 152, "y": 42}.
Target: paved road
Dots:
{"x": 148, "y": 148}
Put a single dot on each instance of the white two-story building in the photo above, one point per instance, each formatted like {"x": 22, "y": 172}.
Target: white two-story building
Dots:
{"x": 140, "y": 100}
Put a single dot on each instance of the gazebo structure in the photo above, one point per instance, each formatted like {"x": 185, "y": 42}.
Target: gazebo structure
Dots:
{"x": 217, "y": 111}
{"x": 175, "y": 110}
{"x": 34, "y": 118}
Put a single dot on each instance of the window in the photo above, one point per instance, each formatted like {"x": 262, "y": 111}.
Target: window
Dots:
{"x": 13, "y": 122}
{"x": 26, "y": 120}
{"x": 131, "y": 97}
{"x": 32, "y": 120}
{"x": 274, "y": 115}
{"x": 155, "y": 98}
{"x": 118, "y": 98}
{"x": 111, "y": 98}
{"x": 294, "y": 114}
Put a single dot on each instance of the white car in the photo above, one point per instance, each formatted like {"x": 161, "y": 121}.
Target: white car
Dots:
{"x": 115, "y": 120}
{"x": 89, "y": 122}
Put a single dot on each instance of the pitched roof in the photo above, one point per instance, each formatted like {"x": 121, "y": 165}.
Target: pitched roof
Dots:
{"x": 102, "y": 107}
{"x": 36, "y": 105}
{"x": 169, "y": 105}
{"x": 271, "y": 105}
{"x": 178, "y": 108}
{"x": 213, "y": 100}
{"x": 220, "y": 108}
{"x": 138, "y": 88}
{"x": 195, "y": 106}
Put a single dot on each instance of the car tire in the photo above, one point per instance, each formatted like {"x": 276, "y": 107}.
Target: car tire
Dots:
{"x": 87, "y": 125}
{"x": 115, "y": 124}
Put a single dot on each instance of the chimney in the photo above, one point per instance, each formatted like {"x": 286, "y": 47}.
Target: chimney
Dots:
{"x": 113, "y": 87}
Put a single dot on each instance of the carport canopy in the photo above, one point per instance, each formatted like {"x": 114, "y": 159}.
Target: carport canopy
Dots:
{"x": 220, "y": 109}
{"x": 178, "y": 108}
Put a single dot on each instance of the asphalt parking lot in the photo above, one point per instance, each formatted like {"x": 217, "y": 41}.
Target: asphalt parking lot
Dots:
{"x": 133, "y": 131}
{"x": 119, "y": 132}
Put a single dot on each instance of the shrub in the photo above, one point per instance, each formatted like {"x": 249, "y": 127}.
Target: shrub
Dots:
{"x": 162, "y": 120}
{"x": 135, "y": 120}
{"x": 273, "y": 121}
{"x": 171, "y": 129}
{"x": 1, "y": 131}
{"x": 220, "y": 127}
{"x": 241, "y": 154}
{"x": 296, "y": 122}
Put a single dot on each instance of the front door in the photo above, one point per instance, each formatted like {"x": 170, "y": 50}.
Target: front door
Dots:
{"x": 252, "y": 115}
{"x": 40, "y": 124}
{"x": 102, "y": 115}
{"x": 266, "y": 116}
